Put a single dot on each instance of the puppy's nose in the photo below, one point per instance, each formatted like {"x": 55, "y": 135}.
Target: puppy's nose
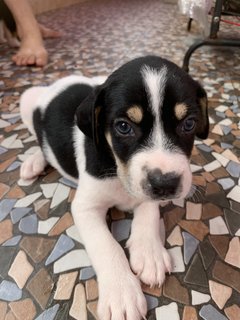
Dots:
{"x": 163, "y": 185}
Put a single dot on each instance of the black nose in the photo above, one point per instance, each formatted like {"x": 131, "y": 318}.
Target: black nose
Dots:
{"x": 163, "y": 185}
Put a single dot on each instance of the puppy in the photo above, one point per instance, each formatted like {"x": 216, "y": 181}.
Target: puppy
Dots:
{"x": 128, "y": 141}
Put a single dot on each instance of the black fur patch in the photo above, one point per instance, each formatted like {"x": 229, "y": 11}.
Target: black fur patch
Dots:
{"x": 56, "y": 125}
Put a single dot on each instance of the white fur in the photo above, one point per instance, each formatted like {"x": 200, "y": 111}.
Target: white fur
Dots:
{"x": 60, "y": 85}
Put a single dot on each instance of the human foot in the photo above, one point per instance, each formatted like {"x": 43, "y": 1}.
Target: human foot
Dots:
{"x": 31, "y": 52}
{"x": 48, "y": 32}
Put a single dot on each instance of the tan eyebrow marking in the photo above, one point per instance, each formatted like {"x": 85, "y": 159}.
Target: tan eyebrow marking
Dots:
{"x": 180, "y": 110}
{"x": 135, "y": 114}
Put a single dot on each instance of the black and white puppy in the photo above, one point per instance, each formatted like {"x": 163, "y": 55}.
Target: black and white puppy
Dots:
{"x": 129, "y": 142}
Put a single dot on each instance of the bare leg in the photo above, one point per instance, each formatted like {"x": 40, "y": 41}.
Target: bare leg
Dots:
{"x": 31, "y": 50}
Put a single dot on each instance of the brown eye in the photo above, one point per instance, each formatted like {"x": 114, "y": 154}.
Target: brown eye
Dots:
{"x": 188, "y": 125}
{"x": 123, "y": 128}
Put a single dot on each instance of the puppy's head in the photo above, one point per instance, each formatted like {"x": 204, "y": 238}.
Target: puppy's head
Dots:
{"x": 148, "y": 112}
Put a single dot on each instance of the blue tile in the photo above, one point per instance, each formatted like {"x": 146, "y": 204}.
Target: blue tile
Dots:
{"x": 49, "y": 314}
{"x": 226, "y": 145}
{"x": 3, "y": 150}
{"x": 14, "y": 120}
{"x": 208, "y": 312}
{"x": 190, "y": 246}
{"x": 9, "y": 291}
{"x": 233, "y": 168}
{"x": 152, "y": 302}
{"x": 29, "y": 225}
{"x": 18, "y": 213}
{"x": 226, "y": 183}
{"x": 12, "y": 242}
{"x": 6, "y": 206}
{"x": 63, "y": 245}
{"x": 87, "y": 273}
{"x": 226, "y": 129}
{"x": 68, "y": 183}
{"x": 14, "y": 166}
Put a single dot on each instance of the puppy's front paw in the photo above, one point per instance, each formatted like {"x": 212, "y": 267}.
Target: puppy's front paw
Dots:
{"x": 121, "y": 297}
{"x": 149, "y": 260}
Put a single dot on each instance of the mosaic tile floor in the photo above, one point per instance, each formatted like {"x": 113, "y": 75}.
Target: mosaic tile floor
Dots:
{"x": 45, "y": 272}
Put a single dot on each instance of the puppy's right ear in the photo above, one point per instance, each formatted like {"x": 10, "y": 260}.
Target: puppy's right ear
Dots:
{"x": 88, "y": 112}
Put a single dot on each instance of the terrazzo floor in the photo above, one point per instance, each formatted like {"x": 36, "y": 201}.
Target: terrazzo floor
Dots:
{"x": 45, "y": 272}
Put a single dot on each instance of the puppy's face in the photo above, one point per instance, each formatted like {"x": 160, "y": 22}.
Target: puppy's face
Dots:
{"x": 149, "y": 113}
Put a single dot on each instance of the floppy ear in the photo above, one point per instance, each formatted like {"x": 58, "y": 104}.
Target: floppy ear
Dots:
{"x": 87, "y": 114}
{"x": 203, "y": 124}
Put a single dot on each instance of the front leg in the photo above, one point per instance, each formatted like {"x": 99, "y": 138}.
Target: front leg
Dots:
{"x": 120, "y": 294}
{"x": 148, "y": 257}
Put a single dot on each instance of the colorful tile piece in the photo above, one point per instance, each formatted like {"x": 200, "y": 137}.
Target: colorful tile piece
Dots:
{"x": 40, "y": 287}
{"x": 21, "y": 269}
{"x": 227, "y": 275}
{"x": 49, "y": 313}
{"x": 29, "y": 224}
{"x": 199, "y": 297}
{"x": 173, "y": 289}
{"x": 63, "y": 245}
{"x": 169, "y": 311}
{"x": 24, "y": 309}
{"x": 190, "y": 246}
{"x": 65, "y": 285}
{"x": 72, "y": 260}
{"x": 78, "y": 309}
{"x": 196, "y": 274}
{"x": 9, "y": 291}
{"x": 220, "y": 293}
{"x": 37, "y": 248}
{"x": 208, "y": 312}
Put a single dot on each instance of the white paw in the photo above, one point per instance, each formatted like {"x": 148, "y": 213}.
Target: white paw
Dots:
{"x": 121, "y": 298}
{"x": 149, "y": 260}
{"x": 33, "y": 166}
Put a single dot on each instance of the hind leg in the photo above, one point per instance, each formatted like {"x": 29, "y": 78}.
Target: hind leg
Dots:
{"x": 33, "y": 166}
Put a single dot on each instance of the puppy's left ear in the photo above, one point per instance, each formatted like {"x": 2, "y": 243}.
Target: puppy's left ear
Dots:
{"x": 203, "y": 123}
{"x": 88, "y": 114}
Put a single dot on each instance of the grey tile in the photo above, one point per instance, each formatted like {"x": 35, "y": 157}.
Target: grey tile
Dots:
{"x": 208, "y": 312}
{"x": 233, "y": 221}
{"x": 196, "y": 274}
{"x": 121, "y": 229}
{"x": 6, "y": 206}
{"x": 207, "y": 253}
{"x": 190, "y": 246}
{"x": 152, "y": 302}
{"x": 49, "y": 314}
